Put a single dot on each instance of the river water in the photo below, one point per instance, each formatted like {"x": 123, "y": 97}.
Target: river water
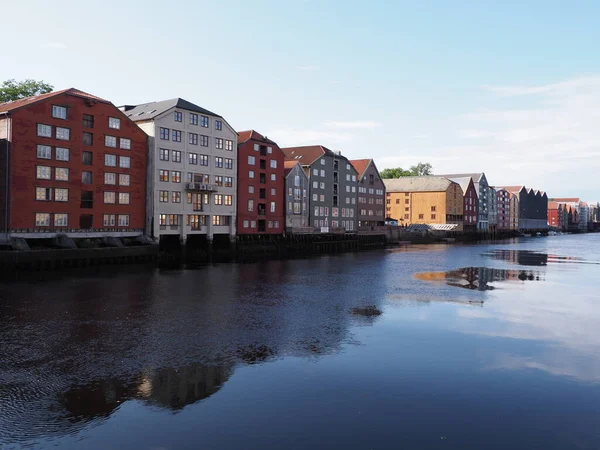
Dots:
{"x": 477, "y": 347}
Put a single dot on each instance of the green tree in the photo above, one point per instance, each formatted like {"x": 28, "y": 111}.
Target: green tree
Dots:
{"x": 419, "y": 170}
{"x": 11, "y": 90}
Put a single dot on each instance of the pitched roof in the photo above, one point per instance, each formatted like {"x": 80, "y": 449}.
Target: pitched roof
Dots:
{"x": 476, "y": 176}
{"x": 552, "y": 205}
{"x": 512, "y": 189}
{"x": 306, "y": 155}
{"x": 463, "y": 182}
{"x": 148, "y": 111}
{"x": 289, "y": 165}
{"x": 360, "y": 165}
{"x": 11, "y": 106}
{"x": 245, "y": 136}
{"x": 565, "y": 199}
{"x": 418, "y": 184}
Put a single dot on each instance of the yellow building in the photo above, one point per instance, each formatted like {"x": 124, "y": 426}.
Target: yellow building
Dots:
{"x": 424, "y": 200}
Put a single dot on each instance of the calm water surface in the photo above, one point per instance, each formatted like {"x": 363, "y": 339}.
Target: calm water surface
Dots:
{"x": 477, "y": 347}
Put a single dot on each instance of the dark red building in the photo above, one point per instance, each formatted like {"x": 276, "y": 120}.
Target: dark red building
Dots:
{"x": 471, "y": 203}
{"x": 73, "y": 164}
{"x": 261, "y": 185}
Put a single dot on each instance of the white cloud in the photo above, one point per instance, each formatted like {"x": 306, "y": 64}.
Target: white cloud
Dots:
{"x": 56, "y": 45}
{"x": 356, "y": 125}
{"x": 309, "y": 68}
{"x": 293, "y": 137}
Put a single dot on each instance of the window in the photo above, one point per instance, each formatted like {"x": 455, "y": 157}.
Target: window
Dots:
{"x": 164, "y": 133}
{"x": 124, "y": 198}
{"x": 193, "y": 138}
{"x": 406, "y": 202}
{"x": 246, "y": 223}
{"x": 88, "y": 138}
{"x": 421, "y": 216}
{"x": 219, "y": 180}
{"x": 108, "y": 220}
{"x": 86, "y": 177}
{"x": 316, "y": 172}
{"x": 273, "y": 191}
{"x": 250, "y": 205}
{"x": 219, "y": 143}
{"x": 354, "y": 178}
{"x": 44, "y": 152}
{"x": 315, "y": 197}
{"x": 176, "y": 136}
{"x": 42, "y": 219}
{"x": 433, "y": 209}
{"x": 124, "y": 162}
{"x": 218, "y": 124}
{"x": 61, "y": 174}
{"x": 176, "y": 176}
{"x": 221, "y": 220}
{"x": 44, "y": 130}
{"x": 433, "y": 216}
{"x": 178, "y": 116}
{"x": 273, "y": 163}
{"x": 272, "y": 207}
{"x": 109, "y": 197}
{"x": 162, "y": 219}
{"x": 176, "y": 156}
{"x": 204, "y": 121}
{"x": 228, "y": 181}
{"x": 59, "y": 112}
{"x": 251, "y": 189}
{"x": 87, "y": 158}
{"x": 163, "y": 154}
{"x": 218, "y": 161}
{"x": 251, "y": 160}
{"x": 110, "y": 160}
{"x": 123, "y": 220}
{"x": 228, "y": 200}
{"x": 62, "y": 154}
{"x": 176, "y": 197}
{"x": 228, "y": 145}
{"x": 88, "y": 121}
{"x": 124, "y": 179}
{"x": 322, "y": 162}
{"x": 61, "y": 195}
{"x": 347, "y": 177}
{"x": 193, "y": 119}
{"x": 42, "y": 193}
{"x": 228, "y": 163}
{"x": 125, "y": 144}
{"x": 163, "y": 196}
{"x": 110, "y": 178}
{"x": 322, "y": 173}
{"x": 163, "y": 175}
{"x": 322, "y": 185}
{"x": 61, "y": 220}
{"x": 269, "y": 150}
{"x": 63, "y": 134}
{"x": 315, "y": 185}
{"x": 251, "y": 174}
{"x": 273, "y": 177}
{"x": 218, "y": 199}
{"x": 203, "y": 140}
{"x": 193, "y": 158}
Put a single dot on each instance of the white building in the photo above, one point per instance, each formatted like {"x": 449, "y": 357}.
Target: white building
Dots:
{"x": 192, "y": 169}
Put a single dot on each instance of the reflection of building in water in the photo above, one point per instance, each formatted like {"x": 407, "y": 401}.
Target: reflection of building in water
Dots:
{"x": 169, "y": 387}
{"x": 521, "y": 257}
{"x": 479, "y": 278}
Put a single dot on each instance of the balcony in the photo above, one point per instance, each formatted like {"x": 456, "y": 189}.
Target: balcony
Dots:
{"x": 200, "y": 187}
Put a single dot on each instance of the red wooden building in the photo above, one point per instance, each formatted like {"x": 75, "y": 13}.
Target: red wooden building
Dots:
{"x": 73, "y": 164}
{"x": 261, "y": 185}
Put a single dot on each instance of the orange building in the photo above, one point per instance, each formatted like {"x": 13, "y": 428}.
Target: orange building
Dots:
{"x": 424, "y": 200}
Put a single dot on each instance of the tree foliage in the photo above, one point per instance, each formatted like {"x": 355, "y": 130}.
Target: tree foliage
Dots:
{"x": 419, "y": 170}
{"x": 11, "y": 90}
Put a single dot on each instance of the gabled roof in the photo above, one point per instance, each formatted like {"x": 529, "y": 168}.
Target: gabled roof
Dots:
{"x": 464, "y": 183}
{"x": 552, "y": 205}
{"x": 512, "y": 189}
{"x": 11, "y": 106}
{"x": 418, "y": 184}
{"x": 245, "y": 136}
{"x": 566, "y": 199}
{"x": 306, "y": 155}
{"x": 289, "y": 165}
{"x": 148, "y": 111}
{"x": 476, "y": 176}
{"x": 361, "y": 166}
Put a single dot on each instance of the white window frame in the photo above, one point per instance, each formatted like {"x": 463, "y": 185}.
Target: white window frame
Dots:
{"x": 114, "y": 123}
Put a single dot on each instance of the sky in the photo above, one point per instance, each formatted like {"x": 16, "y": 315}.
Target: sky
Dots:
{"x": 509, "y": 88}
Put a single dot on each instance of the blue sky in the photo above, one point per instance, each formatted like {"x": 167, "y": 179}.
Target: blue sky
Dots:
{"x": 511, "y": 88}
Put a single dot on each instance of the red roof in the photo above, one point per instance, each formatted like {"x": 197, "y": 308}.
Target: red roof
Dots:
{"x": 306, "y": 155}
{"x": 360, "y": 165}
{"x": 512, "y": 189}
{"x": 11, "y": 106}
{"x": 289, "y": 165}
{"x": 566, "y": 199}
{"x": 552, "y": 205}
{"x": 245, "y": 136}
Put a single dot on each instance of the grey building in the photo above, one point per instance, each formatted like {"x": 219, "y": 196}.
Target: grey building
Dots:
{"x": 371, "y": 193}
{"x": 333, "y": 186}
{"x": 482, "y": 188}
{"x": 192, "y": 169}
{"x": 297, "y": 189}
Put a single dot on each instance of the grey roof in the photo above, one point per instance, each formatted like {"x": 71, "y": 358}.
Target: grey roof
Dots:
{"x": 463, "y": 182}
{"x": 417, "y": 184}
{"x": 148, "y": 111}
{"x": 476, "y": 176}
